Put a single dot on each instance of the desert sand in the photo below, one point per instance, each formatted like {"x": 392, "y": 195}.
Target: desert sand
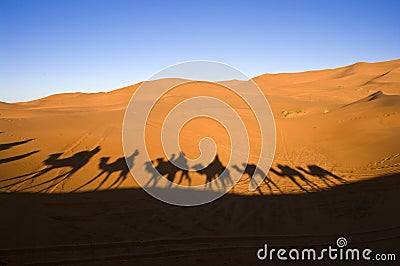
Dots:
{"x": 335, "y": 172}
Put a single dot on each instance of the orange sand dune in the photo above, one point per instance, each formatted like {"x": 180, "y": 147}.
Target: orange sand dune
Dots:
{"x": 344, "y": 120}
{"x": 335, "y": 172}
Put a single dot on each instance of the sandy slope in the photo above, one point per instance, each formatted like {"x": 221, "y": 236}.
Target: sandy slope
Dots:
{"x": 337, "y": 136}
{"x": 344, "y": 120}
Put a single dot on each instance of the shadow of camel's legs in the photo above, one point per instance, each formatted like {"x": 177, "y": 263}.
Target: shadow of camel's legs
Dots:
{"x": 338, "y": 178}
{"x": 185, "y": 175}
{"x": 121, "y": 182}
{"x": 154, "y": 179}
{"x": 89, "y": 182}
{"x": 20, "y": 176}
{"x": 310, "y": 183}
{"x": 275, "y": 185}
{"x": 36, "y": 175}
{"x": 45, "y": 182}
{"x": 297, "y": 183}
{"x": 65, "y": 177}
{"x": 119, "y": 179}
{"x": 103, "y": 181}
{"x": 325, "y": 180}
{"x": 170, "y": 177}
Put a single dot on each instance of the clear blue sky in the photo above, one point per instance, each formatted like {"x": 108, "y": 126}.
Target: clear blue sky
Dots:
{"x": 56, "y": 46}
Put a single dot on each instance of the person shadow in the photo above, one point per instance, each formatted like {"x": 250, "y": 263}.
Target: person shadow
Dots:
{"x": 120, "y": 165}
{"x": 252, "y": 170}
{"x": 214, "y": 170}
{"x": 181, "y": 163}
{"x": 287, "y": 171}
{"x": 53, "y": 162}
{"x": 324, "y": 175}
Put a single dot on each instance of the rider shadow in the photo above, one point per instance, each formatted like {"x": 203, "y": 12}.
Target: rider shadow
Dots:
{"x": 214, "y": 170}
{"x": 181, "y": 163}
{"x": 53, "y": 162}
{"x": 324, "y": 175}
{"x": 287, "y": 171}
{"x": 169, "y": 169}
{"x": 120, "y": 165}
{"x": 252, "y": 170}
{"x": 164, "y": 168}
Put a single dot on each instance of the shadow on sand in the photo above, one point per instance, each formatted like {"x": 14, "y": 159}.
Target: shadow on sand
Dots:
{"x": 69, "y": 165}
{"x": 252, "y": 170}
{"x": 118, "y": 166}
{"x": 6, "y": 146}
{"x": 129, "y": 226}
{"x": 114, "y": 173}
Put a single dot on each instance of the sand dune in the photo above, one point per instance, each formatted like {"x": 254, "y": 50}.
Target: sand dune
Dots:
{"x": 345, "y": 120}
{"x": 337, "y": 132}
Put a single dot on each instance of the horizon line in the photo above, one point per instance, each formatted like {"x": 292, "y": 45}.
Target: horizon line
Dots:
{"x": 252, "y": 78}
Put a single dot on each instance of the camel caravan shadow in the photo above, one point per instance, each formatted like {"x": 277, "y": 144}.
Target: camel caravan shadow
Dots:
{"x": 173, "y": 168}
{"x": 252, "y": 170}
{"x": 113, "y": 173}
{"x": 307, "y": 184}
{"x": 65, "y": 168}
{"x": 305, "y": 180}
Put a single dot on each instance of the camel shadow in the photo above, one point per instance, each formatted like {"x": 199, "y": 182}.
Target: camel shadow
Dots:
{"x": 324, "y": 175}
{"x": 295, "y": 176}
{"x": 121, "y": 165}
{"x": 164, "y": 168}
{"x": 214, "y": 170}
{"x": 252, "y": 170}
{"x": 53, "y": 162}
{"x": 169, "y": 169}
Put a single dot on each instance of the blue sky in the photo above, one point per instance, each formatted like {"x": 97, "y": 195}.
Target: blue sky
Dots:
{"x": 49, "y": 47}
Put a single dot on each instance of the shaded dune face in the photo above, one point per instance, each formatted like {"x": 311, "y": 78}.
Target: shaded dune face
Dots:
{"x": 127, "y": 226}
{"x": 334, "y": 127}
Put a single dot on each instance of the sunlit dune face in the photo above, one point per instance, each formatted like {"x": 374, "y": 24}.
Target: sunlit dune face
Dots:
{"x": 196, "y": 129}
